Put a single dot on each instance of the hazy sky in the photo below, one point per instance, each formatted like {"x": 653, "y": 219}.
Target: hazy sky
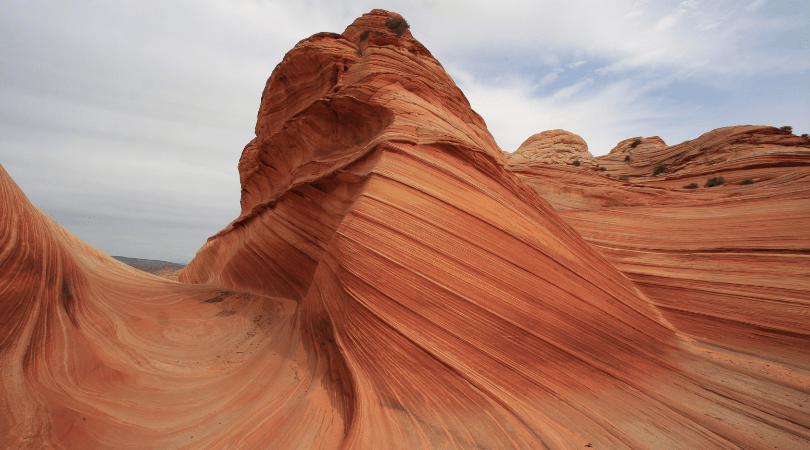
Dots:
{"x": 125, "y": 121}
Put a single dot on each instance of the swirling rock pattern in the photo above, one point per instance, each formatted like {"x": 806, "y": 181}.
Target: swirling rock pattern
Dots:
{"x": 389, "y": 283}
{"x": 728, "y": 265}
{"x": 96, "y": 354}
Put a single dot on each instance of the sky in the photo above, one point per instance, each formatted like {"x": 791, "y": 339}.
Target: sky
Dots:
{"x": 124, "y": 120}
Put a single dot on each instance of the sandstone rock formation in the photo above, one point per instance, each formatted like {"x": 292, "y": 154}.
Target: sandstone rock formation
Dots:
{"x": 727, "y": 265}
{"x": 626, "y": 147}
{"x": 389, "y": 283}
{"x": 738, "y": 153}
{"x": 552, "y": 147}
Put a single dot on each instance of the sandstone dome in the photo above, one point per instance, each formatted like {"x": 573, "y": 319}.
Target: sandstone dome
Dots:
{"x": 551, "y": 147}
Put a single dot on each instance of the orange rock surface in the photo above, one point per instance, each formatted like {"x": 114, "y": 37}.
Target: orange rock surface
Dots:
{"x": 389, "y": 283}
{"x": 728, "y": 265}
{"x": 699, "y": 239}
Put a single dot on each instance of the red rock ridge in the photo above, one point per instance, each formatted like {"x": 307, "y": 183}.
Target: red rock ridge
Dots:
{"x": 756, "y": 151}
{"x": 367, "y": 237}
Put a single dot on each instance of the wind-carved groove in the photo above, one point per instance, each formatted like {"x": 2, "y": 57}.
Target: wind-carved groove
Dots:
{"x": 68, "y": 301}
{"x": 321, "y": 344}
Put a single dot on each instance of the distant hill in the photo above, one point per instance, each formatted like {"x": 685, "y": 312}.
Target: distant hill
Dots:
{"x": 163, "y": 269}
{"x": 149, "y": 263}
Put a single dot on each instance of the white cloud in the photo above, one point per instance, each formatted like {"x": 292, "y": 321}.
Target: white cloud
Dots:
{"x": 687, "y": 5}
{"x": 633, "y": 14}
{"x": 666, "y": 22}
{"x": 707, "y": 25}
{"x": 574, "y": 65}
{"x": 755, "y": 5}
{"x": 603, "y": 116}
{"x": 549, "y": 78}
{"x": 569, "y": 91}
{"x": 617, "y": 30}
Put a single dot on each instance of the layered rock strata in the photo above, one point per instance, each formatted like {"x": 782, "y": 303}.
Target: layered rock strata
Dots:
{"x": 727, "y": 265}
{"x": 737, "y": 153}
{"x": 389, "y": 283}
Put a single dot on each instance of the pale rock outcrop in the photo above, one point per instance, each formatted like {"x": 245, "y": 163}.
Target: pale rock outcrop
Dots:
{"x": 552, "y": 147}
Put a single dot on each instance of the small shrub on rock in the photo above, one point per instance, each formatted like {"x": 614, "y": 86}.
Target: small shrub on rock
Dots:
{"x": 787, "y": 128}
{"x": 608, "y": 175}
{"x": 746, "y": 181}
{"x": 691, "y": 186}
{"x": 397, "y": 24}
{"x": 714, "y": 181}
{"x": 806, "y": 136}
{"x": 635, "y": 143}
{"x": 576, "y": 163}
{"x": 627, "y": 158}
{"x": 602, "y": 169}
{"x": 659, "y": 169}
{"x": 624, "y": 178}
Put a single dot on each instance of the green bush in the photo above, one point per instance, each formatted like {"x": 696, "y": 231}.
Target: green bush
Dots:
{"x": 659, "y": 169}
{"x": 602, "y": 169}
{"x": 746, "y": 181}
{"x": 635, "y": 143}
{"x": 787, "y": 128}
{"x": 624, "y": 178}
{"x": 627, "y": 158}
{"x": 576, "y": 163}
{"x": 714, "y": 181}
{"x": 608, "y": 175}
{"x": 806, "y": 136}
{"x": 397, "y": 24}
{"x": 691, "y": 186}
{"x": 364, "y": 36}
